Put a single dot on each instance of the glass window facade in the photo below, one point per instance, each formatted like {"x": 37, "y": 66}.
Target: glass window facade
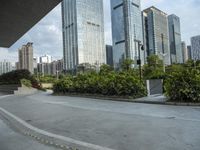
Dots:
{"x": 126, "y": 28}
{"x": 83, "y": 33}
{"x": 156, "y": 29}
{"x": 195, "y": 45}
{"x": 175, "y": 39}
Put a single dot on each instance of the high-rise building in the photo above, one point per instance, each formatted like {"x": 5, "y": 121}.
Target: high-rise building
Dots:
{"x": 175, "y": 39}
{"x": 126, "y": 31}
{"x": 26, "y": 57}
{"x": 45, "y": 59}
{"x": 195, "y": 45}
{"x": 5, "y": 67}
{"x": 109, "y": 55}
{"x": 83, "y": 33}
{"x": 189, "y": 49}
{"x": 156, "y": 34}
{"x": 53, "y": 68}
{"x": 185, "y": 52}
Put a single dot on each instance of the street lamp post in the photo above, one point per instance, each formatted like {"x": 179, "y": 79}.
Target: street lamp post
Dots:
{"x": 140, "y": 47}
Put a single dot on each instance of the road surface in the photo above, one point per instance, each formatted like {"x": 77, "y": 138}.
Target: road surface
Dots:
{"x": 116, "y": 125}
{"x": 11, "y": 140}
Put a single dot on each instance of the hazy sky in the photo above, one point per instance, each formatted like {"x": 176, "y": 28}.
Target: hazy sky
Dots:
{"x": 47, "y": 35}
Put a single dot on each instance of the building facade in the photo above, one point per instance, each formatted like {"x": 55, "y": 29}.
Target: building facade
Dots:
{"x": 109, "y": 55}
{"x": 5, "y": 67}
{"x": 45, "y": 59}
{"x": 53, "y": 68}
{"x": 83, "y": 33}
{"x": 176, "y": 54}
{"x": 185, "y": 51}
{"x": 189, "y": 49}
{"x": 156, "y": 34}
{"x": 126, "y": 31}
{"x": 195, "y": 45}
{"x": 26, "y": 57}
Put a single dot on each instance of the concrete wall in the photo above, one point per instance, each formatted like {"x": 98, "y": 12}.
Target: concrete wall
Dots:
{"x": 155, "y": 86}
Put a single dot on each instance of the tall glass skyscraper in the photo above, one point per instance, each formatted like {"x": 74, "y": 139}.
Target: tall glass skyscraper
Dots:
{"x": 126, "y": 30}
{"x": 83, "y": 33}
{"x": 156, "y": 33}
{"x": 175, "y": 39}
{"x": 195, "y": 44}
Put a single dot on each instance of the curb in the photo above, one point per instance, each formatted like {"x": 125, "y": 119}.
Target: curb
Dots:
{"x": 131, "y": 100}
{"x": 44, "y": 137}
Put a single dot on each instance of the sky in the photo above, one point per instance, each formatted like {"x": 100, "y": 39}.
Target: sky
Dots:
{"x": 47, "y": 34}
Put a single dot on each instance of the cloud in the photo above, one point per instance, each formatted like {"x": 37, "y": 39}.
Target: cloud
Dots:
{"x": 47, "y": 34}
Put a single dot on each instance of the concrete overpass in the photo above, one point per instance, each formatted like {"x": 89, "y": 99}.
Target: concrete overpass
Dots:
{"x": 18, "y": 16}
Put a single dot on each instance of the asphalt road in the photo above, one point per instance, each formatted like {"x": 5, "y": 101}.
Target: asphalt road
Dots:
{"x": 116, "y": 125}
{"x": 11, "y": 140}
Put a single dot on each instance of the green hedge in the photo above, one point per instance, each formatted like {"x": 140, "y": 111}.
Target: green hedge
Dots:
{"x": 183, "y": 84}
{"x": 15, "y": 77}
{"x": 26, "y": 82}
{"x": 108, "y": 83}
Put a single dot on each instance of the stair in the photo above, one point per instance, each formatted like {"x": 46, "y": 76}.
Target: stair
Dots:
{"x": 8, "y": 89}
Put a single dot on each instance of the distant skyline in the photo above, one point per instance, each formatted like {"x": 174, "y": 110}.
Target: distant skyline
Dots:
{"x": 47, "y": 34}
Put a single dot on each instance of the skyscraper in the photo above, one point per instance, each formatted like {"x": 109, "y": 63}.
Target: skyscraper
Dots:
{"x": 46, "y": 59}
{"x": 156, "y": 33}
{"x": 189, "y": 49}
{"x": 5, "y": 67}
{"x": 185, "y": 52}
{"x": 126, "y": 30}
{"x": 109, "y": 55}
{"x": 83, "y": 33}
{"x": 195, "y": 44}
{"x": 175, "y": 39}
{"x": 26, "y": 57}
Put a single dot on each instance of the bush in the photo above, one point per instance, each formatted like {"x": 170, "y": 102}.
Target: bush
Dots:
{"x": 26, "y": 82}
{"x": 183, "y": 84}
{"x": 15, "y": 77}
{"x": 106, "y": 82}
{"x": 48, "y": 79}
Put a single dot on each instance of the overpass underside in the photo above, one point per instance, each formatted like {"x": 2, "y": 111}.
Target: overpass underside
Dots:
{"x": 19, "y": 16}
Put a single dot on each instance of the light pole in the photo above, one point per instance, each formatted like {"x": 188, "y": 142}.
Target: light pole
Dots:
{"x": 140, "y": 47}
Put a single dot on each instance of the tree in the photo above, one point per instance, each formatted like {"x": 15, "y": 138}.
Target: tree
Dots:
{"x": 105, "y": 69}
{"x": 154, "y": 68}
{"x": 127, "y": 64}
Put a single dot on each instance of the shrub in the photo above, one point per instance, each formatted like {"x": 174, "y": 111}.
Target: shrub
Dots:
{"x": 105, "y": 83}
{"x": 15, "y": 77}
{"x": 26, "y": 82}
{"x": 183, "y": 85}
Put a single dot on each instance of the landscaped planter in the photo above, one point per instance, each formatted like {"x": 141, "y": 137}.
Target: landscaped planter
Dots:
{"x": 154, "y": 86}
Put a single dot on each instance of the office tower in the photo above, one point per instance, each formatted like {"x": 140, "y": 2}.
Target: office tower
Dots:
{"x": 185, "y": 52}
{"x": 26, "y": 57}
{"x": 83, "y": 33}
{"x": 156, "y": 34}
{"x": 109, "y": 55}
{"x": 57, "y": 67}
{"x": 189, "y": 50}
{"x": 45, "y": 59}
{"x": 175, "y": 39}
{"x": 195, "y": 45}
{"x": 5, "y": 67}
{"x": 126, "y": 31}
